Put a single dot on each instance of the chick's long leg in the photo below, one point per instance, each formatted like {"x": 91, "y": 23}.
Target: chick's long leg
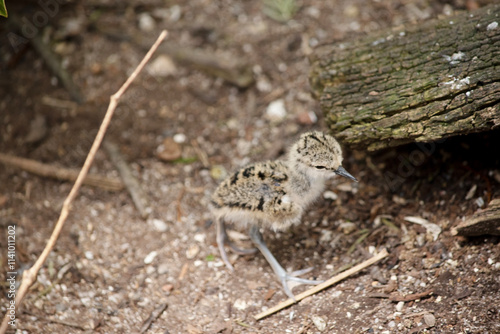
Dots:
{"x": 283, "y": 276}
{"x": 223, "y": 238}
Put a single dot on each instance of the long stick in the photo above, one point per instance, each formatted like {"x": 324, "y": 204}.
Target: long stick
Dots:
{"x": 29, "y": 276}
{"x": 323, "y": 285}
{"x": 60, "y": 173}
{"x": 133, "y": 186}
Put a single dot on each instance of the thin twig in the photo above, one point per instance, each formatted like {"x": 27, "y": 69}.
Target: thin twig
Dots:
{"x": 413, "y": 296}
{"x": 245, "y": 325}
{"x": 60, "y": 173}
{"x": 202, "y": 155}
{"x": 153, "y": 316}
{"x": 30, "y": 275}
{"x": 323, "y": 285}
{"x": 58, "y": 103}
{"x": 183, "y": 272}
{"x": 178, "y": 205}
{"x": 133, "y": 186}
{"x": 57, "y": 321}
{"x": 418, "y": 314}
{"x": 221, "y": 64}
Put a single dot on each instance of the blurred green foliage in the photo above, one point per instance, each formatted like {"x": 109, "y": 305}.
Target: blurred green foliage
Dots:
{"x": 3, "y": 9}
{"x": 280, "y": 10}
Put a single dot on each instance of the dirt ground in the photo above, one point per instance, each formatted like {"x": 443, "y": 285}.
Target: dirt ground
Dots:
{"x": 111, "y": 270}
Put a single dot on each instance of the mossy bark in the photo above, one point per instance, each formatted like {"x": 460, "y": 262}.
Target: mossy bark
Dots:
{"x": 418, "y": 83}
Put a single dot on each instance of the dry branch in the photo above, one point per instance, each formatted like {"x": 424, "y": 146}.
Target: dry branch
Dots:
{"x": 152, "y": 317}
{"x": 235, "y": 70}
{"x": 133, "y": 186}
{"x": 414, "y": 296}
{"x": 223, "y": 65}
{"x": 30, "y": 275}
{"x": 323, "y": 285}
{"x": 60, "y": 173}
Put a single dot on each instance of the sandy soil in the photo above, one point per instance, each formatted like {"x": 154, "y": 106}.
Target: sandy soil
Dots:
{"x": 111, "y": 270}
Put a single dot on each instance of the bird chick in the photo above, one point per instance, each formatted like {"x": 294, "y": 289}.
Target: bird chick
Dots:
{"x": 274, "y": 194}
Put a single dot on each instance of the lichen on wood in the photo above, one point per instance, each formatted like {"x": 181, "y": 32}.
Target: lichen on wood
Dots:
{"x": 419, "y": 83}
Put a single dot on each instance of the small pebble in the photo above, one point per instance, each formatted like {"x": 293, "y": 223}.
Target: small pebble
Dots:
{"x": 399, "y": 200}
{"x": 200, "y": 237}
{"x": 330, "y": 195}
{"x": 337, "y": 294}
{"x": 116, "y": 298}
{"x": 86, "y": 301}
{"x": 167, "y": 287}
{"x": 192, "y": 251}
{"x": 492, "y": 26}
{"x": 377, "y": 275}
{"x": 89, "y": 255}
{"x": 348, "y": 227}
{"x": 263, "y": 85}
{"x": 150, "y": 257}
{"x": 175, "y": 13}
{"x": 399, "y": 306}
{"x": 471, "y": 192}
{"x": 307, "y": 118}
{"x": 326, "y": 236}
{"x": 313, "y": 12}
{"x": 319, "y": 322}
{"x": 146, "y": 22}
{"x": 96, "y": 68}
{"x": 240, "y": 304}
{"x": 430, "y": 320}
{"x": 163, "y": 269}
{"x": 347, "y": 187}
{"x": 218, "y": 172}
{"x": 159, "y": 225}
{"x": 180, "y": 138}
{"x": 162, "y": 66}
{"x": 61, "y": 307}
{"x": 169, "y": 150}
{"x": 355, "y": 306}
{"x": 276, "y": 111}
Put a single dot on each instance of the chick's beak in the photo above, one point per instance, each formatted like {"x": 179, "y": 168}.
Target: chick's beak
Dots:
{"x": 342, "y": 172}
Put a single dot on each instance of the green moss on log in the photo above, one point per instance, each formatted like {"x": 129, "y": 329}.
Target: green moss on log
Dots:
{"x": 420, "y": 83}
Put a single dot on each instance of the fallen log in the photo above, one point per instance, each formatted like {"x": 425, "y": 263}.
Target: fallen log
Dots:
{"x": 417, "y": 83}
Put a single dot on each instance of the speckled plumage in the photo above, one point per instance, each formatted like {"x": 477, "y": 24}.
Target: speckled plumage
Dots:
{"x": 274, "y": 194}
{"x": 257, "y": 194}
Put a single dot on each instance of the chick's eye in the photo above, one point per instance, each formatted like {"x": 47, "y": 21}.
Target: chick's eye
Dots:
{"x": 319, "y": 167}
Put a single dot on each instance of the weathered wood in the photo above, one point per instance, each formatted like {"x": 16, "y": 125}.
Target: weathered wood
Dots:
{"x": 418, "y": 83}
{"x": 486, "y": 221}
